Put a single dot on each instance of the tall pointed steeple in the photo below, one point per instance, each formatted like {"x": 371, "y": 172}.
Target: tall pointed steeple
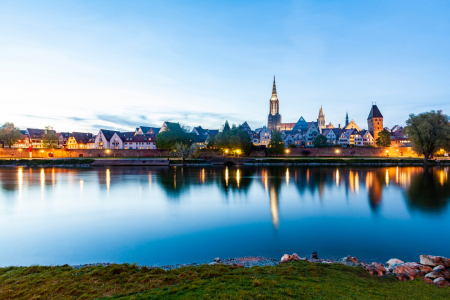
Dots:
{"x": 274, "y": 89}
{"x": 321, "y": 120}
{"x": 346, "y": 118}
{"x": 274, "y": 121}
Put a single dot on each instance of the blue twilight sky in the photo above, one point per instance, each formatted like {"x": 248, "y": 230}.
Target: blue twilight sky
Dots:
{"x": 85, "y": 65}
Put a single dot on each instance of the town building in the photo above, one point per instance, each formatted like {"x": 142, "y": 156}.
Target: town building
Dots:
{"x": 274, "y": 119}
{"x": 375, "y": 121}
{"x": 352, "y": 125}
{"x": 78, "y": 140}
{"x": 321, "y": 121}
{"x": 62, "y": 139}
{"x": 103, "y": 138}
{"x": 24, "y": 142}
{"x": 36, "y": 136}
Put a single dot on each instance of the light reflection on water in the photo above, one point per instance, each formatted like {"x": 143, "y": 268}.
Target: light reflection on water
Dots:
{"x": 178, "y": 215}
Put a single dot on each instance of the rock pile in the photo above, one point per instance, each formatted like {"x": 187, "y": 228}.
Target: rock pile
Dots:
{"x": 432, "y": 269}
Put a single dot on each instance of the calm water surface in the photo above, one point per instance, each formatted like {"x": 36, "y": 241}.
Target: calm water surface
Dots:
{"x": 193, "y": 214}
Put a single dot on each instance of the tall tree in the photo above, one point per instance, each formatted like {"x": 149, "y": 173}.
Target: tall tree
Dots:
{"x": 226, "y": 126}
{"x": 320, "y": 141}
{"x": 383, "y": 139}
{"x": 49, "y": 138}
{"x": 428, "y": 132}
{"x": 174, "y": 133}
{"x": 276, "y": 144}
{"x": 10, "y": 134}
{"x": 234, "y": 139}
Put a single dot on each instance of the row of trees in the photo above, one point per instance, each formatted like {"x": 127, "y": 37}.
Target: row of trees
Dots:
{"x": 176, "y": 138}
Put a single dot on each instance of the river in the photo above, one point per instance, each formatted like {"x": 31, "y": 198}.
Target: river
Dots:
{"x": 169, "y": 215}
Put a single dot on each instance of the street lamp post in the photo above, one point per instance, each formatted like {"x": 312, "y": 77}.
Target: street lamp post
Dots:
{"x": 237, "y": 151}
{"x": 287, "y": 152}
{"x": 42, "y": 152}
{"x": 20, "y": 153}
{"x": 337, "y": 152}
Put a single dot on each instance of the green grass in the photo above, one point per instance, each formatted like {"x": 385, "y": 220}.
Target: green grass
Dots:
{"x": 297, "y": 280}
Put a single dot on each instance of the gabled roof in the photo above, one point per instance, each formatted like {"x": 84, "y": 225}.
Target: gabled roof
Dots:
{"x": 147, "y": 129}
{"x": 213, "y": 132}
{"x": 37, "y": 133}
{"x": 374, "y": 112}
{"x": 81, "y": 137}
{"x": 108, "y": 133}
{"x": 337, "y": 131}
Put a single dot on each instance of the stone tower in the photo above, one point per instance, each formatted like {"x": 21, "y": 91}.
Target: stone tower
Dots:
{"x": 274, "y": 120}
{"x": 375, "y": 121}
{"x": 321, "y": 120}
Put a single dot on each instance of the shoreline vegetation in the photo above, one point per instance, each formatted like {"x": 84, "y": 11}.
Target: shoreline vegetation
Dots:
{"x": 294, "y": 161}
{"x": 241, "y": 278}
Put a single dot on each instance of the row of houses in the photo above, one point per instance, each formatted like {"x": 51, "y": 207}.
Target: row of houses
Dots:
{"x": 143, "y": 138}
{"x": 305, "y": 137}
{"x": 302, "y": 135}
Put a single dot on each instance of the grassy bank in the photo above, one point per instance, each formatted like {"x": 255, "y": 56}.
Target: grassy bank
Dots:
{"x": 297, "y": 280}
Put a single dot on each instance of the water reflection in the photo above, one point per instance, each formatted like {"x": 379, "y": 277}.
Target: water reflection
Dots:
{"x": 152, "y": 212}
{"x": 426, "y": 189}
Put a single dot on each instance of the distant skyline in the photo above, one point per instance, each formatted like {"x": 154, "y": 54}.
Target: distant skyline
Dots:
{"x": 86, "y": 65}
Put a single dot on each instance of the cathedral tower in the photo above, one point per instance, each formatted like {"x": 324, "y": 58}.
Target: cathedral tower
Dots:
{"x": 321, "y": 120}
{"x": 274, "y": 120}
{"x": 375, "y": 121}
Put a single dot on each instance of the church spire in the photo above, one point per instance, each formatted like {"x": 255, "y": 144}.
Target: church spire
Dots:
{"x": 274, "y": 89}
{"x": 321, "y": 111}
{"x": 346, "y": 118}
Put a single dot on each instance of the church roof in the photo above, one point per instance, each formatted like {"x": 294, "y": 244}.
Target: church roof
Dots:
{"x": 374, "y": 112}
{"x": 274, "y": 89}
{"x": 300, "y": 125}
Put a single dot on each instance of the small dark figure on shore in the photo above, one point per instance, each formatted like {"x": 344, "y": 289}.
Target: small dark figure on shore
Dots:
{"x": 314, "y": 255}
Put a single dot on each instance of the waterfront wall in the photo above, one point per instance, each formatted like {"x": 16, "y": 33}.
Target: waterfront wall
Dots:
{"x": 309, "y": 152}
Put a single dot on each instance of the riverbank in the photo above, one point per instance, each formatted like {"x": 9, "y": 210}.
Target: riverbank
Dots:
{"x": 295, "y": 278}
{"x": 283, "y": 161}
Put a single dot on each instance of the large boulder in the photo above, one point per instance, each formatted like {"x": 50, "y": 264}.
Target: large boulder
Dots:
{"x": 441, "y": 282}
{"x": 394, "y": 261}
{"x": 413, "y": 265}
{"x": 380, "y": 269}
{"x": 286, "y": 258}
{"x": 439, "y": 268}
{"x": 295, "y": 257}
{"x": 431, "y": 260}
{"x": 349, "y": 261}
{"x": 425, "y": 269}
{"x": 433, "y": 275}
{"x": 404, "y": 273}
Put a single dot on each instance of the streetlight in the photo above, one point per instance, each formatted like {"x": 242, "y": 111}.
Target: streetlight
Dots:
{"x": 287, "y": 152}
{"x": 387, "y": 153}
{"x": 226, "y": 150}
{"x": 42, "y": 151}
{"x": 237, "y": 151}
{"x": 20, "y": 152}
{"x": 337, "y": 151}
